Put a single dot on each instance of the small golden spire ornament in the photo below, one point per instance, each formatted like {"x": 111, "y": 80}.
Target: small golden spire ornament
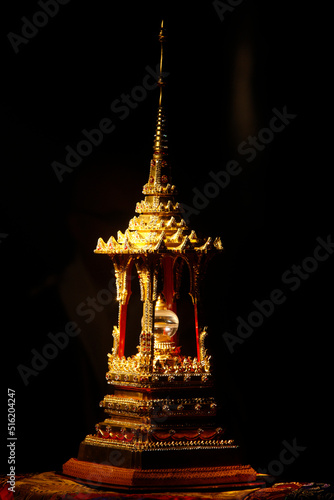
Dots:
{"x": 161, "y": 413}
{"x": 162, "y": 39}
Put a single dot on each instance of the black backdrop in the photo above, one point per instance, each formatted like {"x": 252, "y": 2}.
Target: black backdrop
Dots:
{"x": 228, "y": 71}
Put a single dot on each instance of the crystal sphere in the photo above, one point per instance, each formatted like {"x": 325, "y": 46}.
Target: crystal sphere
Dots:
{"x": 166, "y": 324}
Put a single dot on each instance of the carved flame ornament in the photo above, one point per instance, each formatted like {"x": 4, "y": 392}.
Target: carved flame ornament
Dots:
{"x": 161, "y": 424}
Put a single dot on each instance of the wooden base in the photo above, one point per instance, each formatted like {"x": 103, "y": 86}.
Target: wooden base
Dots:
{"x": 106, "y": 452}
{"x": 232, "y": 477}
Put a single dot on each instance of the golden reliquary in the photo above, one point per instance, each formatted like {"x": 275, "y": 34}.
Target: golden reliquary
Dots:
{"x": 161, "y": 428}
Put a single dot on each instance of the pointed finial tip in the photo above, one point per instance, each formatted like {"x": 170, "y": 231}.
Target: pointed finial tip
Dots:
{"x": 162, "y": 34}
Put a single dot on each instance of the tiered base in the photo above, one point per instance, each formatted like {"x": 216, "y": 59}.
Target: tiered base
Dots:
{"x": 189, "y": 455}
{"x": 238, "y": 476}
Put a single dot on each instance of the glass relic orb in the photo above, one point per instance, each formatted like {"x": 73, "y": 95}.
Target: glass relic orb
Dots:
{"x": 166, "y": 324}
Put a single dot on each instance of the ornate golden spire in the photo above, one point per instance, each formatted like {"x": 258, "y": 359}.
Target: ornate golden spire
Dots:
{"x": 160, "y": 145}
{"x": 159, "y": 225}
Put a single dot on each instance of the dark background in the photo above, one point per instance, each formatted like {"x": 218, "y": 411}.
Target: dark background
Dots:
{"x": 225, "y": 78}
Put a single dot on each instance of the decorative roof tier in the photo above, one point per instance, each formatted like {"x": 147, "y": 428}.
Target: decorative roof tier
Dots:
{"x": 159, "y": 227}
